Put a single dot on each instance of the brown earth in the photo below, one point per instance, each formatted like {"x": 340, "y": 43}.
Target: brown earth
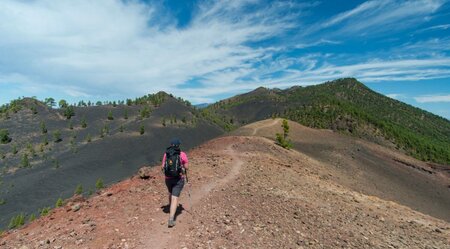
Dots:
{"x": 245, "y": 192}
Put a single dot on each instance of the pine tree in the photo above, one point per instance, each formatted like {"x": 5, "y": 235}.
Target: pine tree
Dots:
{"x": 110, "y": 116}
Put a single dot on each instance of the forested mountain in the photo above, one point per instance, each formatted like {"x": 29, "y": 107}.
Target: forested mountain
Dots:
{"x": 348, "y": 106}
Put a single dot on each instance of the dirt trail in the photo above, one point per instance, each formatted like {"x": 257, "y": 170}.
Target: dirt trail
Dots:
{"x": 158, "y": 235}
{"x": 246, "y": 192}
{"x": 256, "y": 129}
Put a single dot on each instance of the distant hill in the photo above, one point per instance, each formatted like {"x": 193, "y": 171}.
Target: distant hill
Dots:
{"x": 203, "y": 105}
{"x": 49, "y": 155}
{"x": 348, "y": 106}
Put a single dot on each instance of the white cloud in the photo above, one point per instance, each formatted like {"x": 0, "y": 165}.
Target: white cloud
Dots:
{"x": 97, "y": 49}
{"x": 396, "y": 95}
{"x": 109, "y": 46}
{"x": 378, "y": 16}
{"x": 433, "y": 98}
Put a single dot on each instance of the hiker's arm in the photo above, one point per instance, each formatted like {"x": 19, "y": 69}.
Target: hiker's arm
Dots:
{"x": 184, "y": 160}
{"x": 163, "y": 161}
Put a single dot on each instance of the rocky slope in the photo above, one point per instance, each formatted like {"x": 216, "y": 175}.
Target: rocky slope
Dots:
{"x": 245, "y": 192}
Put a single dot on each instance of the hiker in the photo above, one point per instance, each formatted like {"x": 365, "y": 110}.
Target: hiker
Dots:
{"x": 174, "y": 165}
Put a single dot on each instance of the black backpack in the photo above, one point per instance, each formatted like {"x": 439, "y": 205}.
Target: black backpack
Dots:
{"x": 172, "y": 166}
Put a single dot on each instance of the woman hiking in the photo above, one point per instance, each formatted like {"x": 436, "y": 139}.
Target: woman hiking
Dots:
{"x": 174, "y": 165}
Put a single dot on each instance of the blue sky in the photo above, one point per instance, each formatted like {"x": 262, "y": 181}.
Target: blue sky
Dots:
{"x": 208, "y": 50}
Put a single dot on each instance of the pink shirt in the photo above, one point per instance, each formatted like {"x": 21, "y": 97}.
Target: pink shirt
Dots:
{"x": 183, "y": 158}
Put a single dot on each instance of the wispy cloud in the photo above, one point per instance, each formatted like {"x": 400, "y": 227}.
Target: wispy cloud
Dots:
{"x": 128, "y": 48}
{"x": 396, "y": 95}
{"x": 372, "y": 17}
{"x": 433, "y": 98}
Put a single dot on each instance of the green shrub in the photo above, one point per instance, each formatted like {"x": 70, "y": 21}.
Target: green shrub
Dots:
{"x": 17, "y": 221}
{"x": 43, "y": 127}
{"x": 142, "y": 129}
{"x": 121, "y": 128}
{"x": 32, "y": 217}
{"x": 83, "y": 123}
{"x": 25, "y": 162}
{"x": 145, "y": 112}
{"x": 88, "y": 138}
{"x": 59, "y": 203}
{"x": 45, "y": 140}
{"x": 2, "y": 202}
{"x": 69, "y": 112}
{"x": 99, "y": 183}
{"x": 125, "y": 114}
{"x": 110, "y": 115}
{"x": 33, "y": 110}
{"x": 57, "y": 136}
{"x": 79, "y": 189}
{"x": 14, "y": 149}
{"x": 4, "y": 136}
{"x": 44, "y": 211}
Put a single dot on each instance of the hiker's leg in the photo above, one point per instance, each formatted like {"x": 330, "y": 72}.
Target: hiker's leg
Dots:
{"x": 173, "y": 206}
{"x": 170, "y": 198}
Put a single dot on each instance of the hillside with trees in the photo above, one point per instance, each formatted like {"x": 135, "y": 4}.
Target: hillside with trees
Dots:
{"x": 346, "y": 106}
{"x": 50, "y": 148}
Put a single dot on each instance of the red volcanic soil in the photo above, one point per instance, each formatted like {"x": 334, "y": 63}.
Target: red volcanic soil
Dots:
{"x": 245, "y": 192}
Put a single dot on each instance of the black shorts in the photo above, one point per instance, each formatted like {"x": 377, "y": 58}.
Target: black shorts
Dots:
{"x": 175, "y": 185}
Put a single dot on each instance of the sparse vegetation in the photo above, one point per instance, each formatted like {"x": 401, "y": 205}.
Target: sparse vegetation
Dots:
{"x": 33, "y": 110}
{"x": 110, "y": 115}
{"x": 17, "y": 221}
{"x": 88, "y": 138}
{"x": 70, "y": 125}
{"x": 142, "y": 129}
{"x": 145, "y": 112}
{"x": 163, "y": 122}
{"x": 69, "y": 112}
{"x": 83, "y": 122}
{"x": 43, "y": 128}
{"x": 32, "y": 217}
{"x": 44, "y": 211}
{"x": 99, "y": 184}
{"x": 45, "y": 142}
{"x": 2, "y": 202}
{"x": 25, "y": 163}
{"x": 14, "y": 149}
{"x": 125, "y": 114}
{"x": 79, "y": 189}
{"x": 57, "y": 136}
{"x": 59, "y": 203}
{"x": 121, "y": 128}
{"x": 4, "y": 136}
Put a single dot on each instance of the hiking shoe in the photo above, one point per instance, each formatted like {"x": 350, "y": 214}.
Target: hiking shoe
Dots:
{"x": 171, "y": 223}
